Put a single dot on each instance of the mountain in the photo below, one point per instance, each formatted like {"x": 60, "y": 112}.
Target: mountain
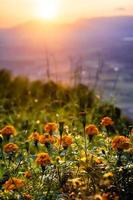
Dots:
{"x": 30, "y": 42}
{"x": 96, "y": 28}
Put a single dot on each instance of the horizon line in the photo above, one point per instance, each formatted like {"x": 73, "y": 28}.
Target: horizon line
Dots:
{"x": 65, "y": 23}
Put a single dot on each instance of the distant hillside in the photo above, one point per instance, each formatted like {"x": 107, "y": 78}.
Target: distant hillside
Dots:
{"x": 100, "y": 29}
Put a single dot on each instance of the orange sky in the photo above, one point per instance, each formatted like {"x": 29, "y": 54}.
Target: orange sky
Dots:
{"x": 16, "y": 11}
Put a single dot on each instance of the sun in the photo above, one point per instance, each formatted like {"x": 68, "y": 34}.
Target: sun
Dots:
{"x": 47, "y": 9}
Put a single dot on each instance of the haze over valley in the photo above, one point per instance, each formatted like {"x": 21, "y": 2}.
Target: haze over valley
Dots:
{"x": 97, "y": 52}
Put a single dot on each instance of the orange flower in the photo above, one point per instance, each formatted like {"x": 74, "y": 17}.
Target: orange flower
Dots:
{"x": 120, "y": 143}
{"x": 43, "y": 139}
{"x": 98, "y": 161}
{"x": 50, "y": 127}
{"x": 107, "y": 121}
{"x": 10, "y": 148}
{"x": 27, "y": 196}
{"x": 8, "y": 130}
{"x": 27, "y": 174}
{"x": 66, "y": 141}
{"x": 13, "y": 183}
{"x": 34, "y": 136}
{"x": 91, "y": 130}
{"x": 43, "y": 159}
{"x": 105, "y": 196}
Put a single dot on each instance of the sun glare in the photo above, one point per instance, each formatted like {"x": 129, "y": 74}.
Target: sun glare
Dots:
{"x": 47, "y": 9}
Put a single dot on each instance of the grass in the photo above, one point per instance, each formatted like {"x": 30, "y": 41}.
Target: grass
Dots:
{"x": 56, "y": 143}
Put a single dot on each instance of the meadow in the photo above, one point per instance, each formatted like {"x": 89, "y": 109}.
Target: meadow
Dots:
{"x": 62, "y": 143}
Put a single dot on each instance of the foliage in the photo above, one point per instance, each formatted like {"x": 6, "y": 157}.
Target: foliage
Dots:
{"x": 55, "y": 144}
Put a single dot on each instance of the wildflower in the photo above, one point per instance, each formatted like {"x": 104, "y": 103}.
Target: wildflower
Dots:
{"x": 66, "y": 141}
{"x": 105, "y": 196}
{"x": 7, "y": 131}
{"x": 50, "y": 127}
{"x": 27, "y": 174}
{"x": 34, "y": 136}
{"x": 10, "y": 148}
{"x": 44, "y": 139}
{"x": 108, "y": 175}
{"x": 27, "y": 196}
{"x": 58, "y": 159}
{"x": 91, "y": 130}
{"x": 98, "y": 161}
{"x": 107, "y": 121}
{"x": 43, "y": 159}
{"x": 106, "y": 179}
{"x": 120, "y": 143}
{"x": 13, "y": 183}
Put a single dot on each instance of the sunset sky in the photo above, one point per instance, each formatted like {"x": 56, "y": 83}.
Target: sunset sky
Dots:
{"x": 13, "y": 12}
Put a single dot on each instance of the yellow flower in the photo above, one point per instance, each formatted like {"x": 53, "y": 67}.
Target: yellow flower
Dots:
{"x": 34, "y": 136}
{"x": 43, "y": 159}
{"x": 1, "y": 138}
{"x": 108, "y": 175}
{"x": 107, "y": 121}
{"x": 10, "y": 148}
{"x": 97, "y": 197}
{"x": 107, "y": 179}
{"x": 120, "y": 143}
{"x": 13, "y": 183}
{"x": 66, "y": 141}
{"x": 43, "y": 139}
{"x": 91, "y": 130}
{"x": 50, "y": 127}
{"x": 8, "y": 130}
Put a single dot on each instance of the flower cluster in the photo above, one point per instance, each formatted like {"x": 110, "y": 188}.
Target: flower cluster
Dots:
{"x": 10, "y": 148}
{"x": 27, "y": 174}
{"x": 13, "y": 184}
{"x": 66, "y": 141}
{"x": 50, "y": 127}
{"x": 107, "y": 121}
{"x": 45, "y": 139}
{"x": 120, "y": 143}
{"x": 34, "y": 136}
{"x": 8, "y": 130}
{"x": 91, "y": 130}
{"x": 43, "y": 159}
